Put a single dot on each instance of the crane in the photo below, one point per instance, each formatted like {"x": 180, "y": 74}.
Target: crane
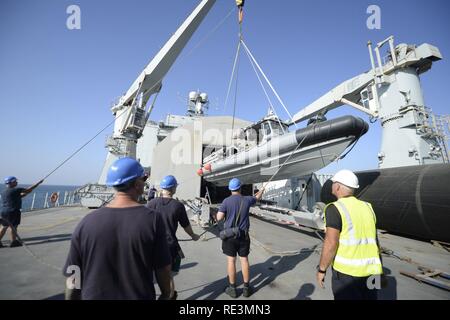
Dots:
{"x": 130, "y": 110}
{"x": 390, "y": 92}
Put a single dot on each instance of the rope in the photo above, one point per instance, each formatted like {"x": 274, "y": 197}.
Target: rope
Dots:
{"x": 313, "y": 249}
{"x": 82, "y": 147}
{"x": 124, "y": 111}
{"x": 209, "y": 34}
{"x": 64, "y": 221}
{"x": 303, "y": 193}
{"x": 391, "y": 253}
{"x": 232, "y": 74}
{"x": 285, "y": 161}
{"x": 109, "y": 124}
{"x": 235, "y": 96}
{"x": 271, "y": 178}
{"x": 265, "y": 91}
{"x": 151, "y": 107}
{"x": 28, "y": 249}
{"x": 200, "y": 235}
{"x": 279, "y": 253}
{"x": 318, "y": 234}
{"x": 237, "y": 60}
{"x": 196, "y": 287}
{"x": 267, "y": 80}
{"x": 351, "y": 148}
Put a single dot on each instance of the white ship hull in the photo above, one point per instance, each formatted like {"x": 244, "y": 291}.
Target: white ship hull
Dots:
{"x": 292, "y": 154}
{"x": 302, "y": 162}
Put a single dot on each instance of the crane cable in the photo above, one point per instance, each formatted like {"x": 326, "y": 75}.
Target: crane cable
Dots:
{"x": 284, "y": 163}
{"x": 235, "y": 95}
{"x": 124, "y": 111}
{"x": 84, "y": 145}
{"x": 267, "y": 80}
{"x": 255, "y": 66}
{"x": 265, "y": 91}
{"x": 240, "y": 6}
{"x": 253, "y": 63}
{"x": 34, "y": 255}
{"x": 209, "y": 34}
{"x": 236, "y": 60}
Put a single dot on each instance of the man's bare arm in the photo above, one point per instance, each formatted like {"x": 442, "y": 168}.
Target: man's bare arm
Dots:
{"x": 330, "y": 246}
{"x": 259, "y": 194}
{"x": 190, "y": 232}
{"x": 34, "y": 186}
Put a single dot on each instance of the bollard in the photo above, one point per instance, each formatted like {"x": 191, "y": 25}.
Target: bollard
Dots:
{"x": 46, "y": 201}
{"x": 32, "y": 202}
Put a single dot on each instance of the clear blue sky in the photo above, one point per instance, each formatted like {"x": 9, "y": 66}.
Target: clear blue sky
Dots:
{"x": 56, "y": 85}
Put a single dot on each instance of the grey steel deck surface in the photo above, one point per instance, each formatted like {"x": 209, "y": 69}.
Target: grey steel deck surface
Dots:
{"x": 282, "y": 259}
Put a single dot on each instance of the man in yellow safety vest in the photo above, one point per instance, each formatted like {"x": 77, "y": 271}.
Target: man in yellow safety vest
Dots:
{"x": 351, "y": 244}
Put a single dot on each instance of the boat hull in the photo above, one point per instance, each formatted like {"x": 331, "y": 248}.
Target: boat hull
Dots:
{"x": 297, "y": 153}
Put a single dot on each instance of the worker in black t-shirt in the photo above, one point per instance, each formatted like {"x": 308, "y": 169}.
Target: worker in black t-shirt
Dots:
{"x": 12, "y": 203}
{"x": 173, "y": 213}
{"x": 115, "y": 249}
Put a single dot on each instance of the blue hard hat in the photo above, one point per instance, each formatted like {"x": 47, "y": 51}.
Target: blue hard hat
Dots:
{"x": 124, "y": 170}
{"x": 168, "y": 182}
{"x": 10, "y": 179}
{"x": 235, "y": 184}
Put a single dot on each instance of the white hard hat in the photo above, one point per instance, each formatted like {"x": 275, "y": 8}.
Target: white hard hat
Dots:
{"x": 346, "y": 177}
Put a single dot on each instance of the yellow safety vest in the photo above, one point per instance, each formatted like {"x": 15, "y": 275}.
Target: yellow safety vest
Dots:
{"x": 358, "y": 254}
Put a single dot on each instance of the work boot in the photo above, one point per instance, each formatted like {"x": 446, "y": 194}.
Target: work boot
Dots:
{"x": 231, "y": 291}
{"x": 15, "y": 243}
{"x": 1, "y": 245}
{"x": 247, "y": 292}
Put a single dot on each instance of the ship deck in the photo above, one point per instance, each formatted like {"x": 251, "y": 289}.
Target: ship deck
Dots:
{"x": 283, "y": 260}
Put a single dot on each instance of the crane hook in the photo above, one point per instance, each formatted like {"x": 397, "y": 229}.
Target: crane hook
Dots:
{"x": 240, "y": 5}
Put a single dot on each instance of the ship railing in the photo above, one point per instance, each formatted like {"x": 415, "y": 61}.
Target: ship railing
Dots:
{"x": 40, "y": 201}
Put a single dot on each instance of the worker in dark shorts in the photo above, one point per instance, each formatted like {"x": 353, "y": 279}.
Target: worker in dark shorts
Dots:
{"x": 116, "y": 249}
{"x": 233, "y": 206}
{"x": 173, "y": 213}
{"x": 12, "y": 203}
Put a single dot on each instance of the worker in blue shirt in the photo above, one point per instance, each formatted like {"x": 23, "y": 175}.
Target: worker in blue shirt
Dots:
{"x": 232, "y": 207}
{"x": 12, "y": 203}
